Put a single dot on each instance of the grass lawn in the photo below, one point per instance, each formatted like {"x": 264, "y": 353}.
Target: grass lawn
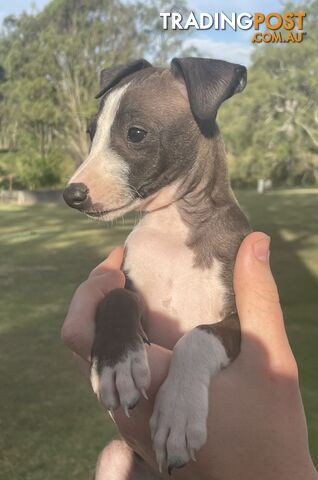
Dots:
{"x": 51, "y": 426}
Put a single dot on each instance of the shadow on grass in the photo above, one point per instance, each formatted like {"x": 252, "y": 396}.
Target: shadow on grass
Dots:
{"x": 292, "y": 222}
{"x": 49, "y": 417}
{"x": 51, "y": 424}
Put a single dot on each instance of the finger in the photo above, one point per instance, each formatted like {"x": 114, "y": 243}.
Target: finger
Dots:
{"x": 112, "y": 262}
{"x": 257, "y": 299}
{"x": 115, "y": 461}
{"x": 79, "y": 326}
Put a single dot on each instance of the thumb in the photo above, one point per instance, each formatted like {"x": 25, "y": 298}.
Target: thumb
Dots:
{"x": 112, "y": 262}
{"x": 257, "y": 301}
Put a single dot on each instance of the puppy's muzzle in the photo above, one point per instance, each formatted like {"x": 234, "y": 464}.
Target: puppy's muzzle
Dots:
{"x": 76, "y": 195}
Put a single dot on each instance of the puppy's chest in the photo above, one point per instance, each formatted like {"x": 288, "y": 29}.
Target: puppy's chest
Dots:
{"x": 177, "y": 294}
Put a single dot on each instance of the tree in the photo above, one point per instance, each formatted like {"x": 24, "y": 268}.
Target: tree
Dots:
{"x": 52, "y": 61}
{"x": 272, "y": 128}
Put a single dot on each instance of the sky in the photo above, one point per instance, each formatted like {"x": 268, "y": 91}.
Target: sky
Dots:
{"x": 228, "y": 45}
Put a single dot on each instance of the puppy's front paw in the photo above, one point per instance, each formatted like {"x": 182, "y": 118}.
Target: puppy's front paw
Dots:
{"x": 121, "y": 383}
{"x": 178, "y": 423}
{"x": 179, "y": 420}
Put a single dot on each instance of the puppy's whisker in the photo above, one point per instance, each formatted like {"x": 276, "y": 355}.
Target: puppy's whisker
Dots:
{"x": 134, "y": 189}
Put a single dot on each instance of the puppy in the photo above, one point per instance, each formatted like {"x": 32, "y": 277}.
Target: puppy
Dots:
{"x": 156, "y": 148}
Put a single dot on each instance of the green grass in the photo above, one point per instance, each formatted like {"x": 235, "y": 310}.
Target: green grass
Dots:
{"x": 51, "y": 426}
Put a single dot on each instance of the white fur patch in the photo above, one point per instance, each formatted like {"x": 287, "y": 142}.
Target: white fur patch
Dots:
{"x": 179, "y": 296}
{"x": 102, "y": 137}
{"x": 172, "y": 288}
{"x": 122, "y": 384}
{"x": 179, "y": 420}
{"x": 104, "y": 172}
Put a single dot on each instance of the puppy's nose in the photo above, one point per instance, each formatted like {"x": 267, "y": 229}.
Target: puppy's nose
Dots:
{"x": 75, "y": 194}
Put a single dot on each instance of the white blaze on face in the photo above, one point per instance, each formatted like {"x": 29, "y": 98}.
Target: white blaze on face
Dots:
{"x": 104, "y": 172}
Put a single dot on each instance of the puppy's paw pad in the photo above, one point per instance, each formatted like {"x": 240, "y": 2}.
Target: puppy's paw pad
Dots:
{"x": 175, "y": 462}
{"x": 177, "y": 452}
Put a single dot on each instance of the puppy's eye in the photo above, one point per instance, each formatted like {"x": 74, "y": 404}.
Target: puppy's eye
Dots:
{"x": 136, "y": 134}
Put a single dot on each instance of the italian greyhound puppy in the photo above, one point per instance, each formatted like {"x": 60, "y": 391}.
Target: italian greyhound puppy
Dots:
{"x": 156, "y": 148}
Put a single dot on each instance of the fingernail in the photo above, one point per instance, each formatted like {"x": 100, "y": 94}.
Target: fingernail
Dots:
{"x": 261, "y": 249}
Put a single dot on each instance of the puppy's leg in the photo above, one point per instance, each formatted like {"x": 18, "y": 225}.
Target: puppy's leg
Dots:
{"x": 178, "y": 423}
{"x": 118, "y": 462}
{"x": 119, "y": 365}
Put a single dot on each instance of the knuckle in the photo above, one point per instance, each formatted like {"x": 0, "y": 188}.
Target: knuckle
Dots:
{"x": 67, "y": 334}
{"x": 265, "y": 295}
{"x": 104, "y": 283}
{"x": 293, "y": 368}
{"x": 264, "y": 303}
{"x": 89, "y": 289}
{"x": 71, "y": 338}
{"x": 115, "y": 278}
{"x": 86, "y": 291}
{"x": 83, "y": 287}
{"x": 288, "y": 366}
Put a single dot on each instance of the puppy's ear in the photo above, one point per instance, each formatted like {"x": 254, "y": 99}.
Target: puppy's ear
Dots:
{"x": 111, "y": 76}
{"x": 208, "y": 82}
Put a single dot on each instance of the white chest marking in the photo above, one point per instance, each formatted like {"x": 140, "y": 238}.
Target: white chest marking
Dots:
{"x": 178, "y": 295}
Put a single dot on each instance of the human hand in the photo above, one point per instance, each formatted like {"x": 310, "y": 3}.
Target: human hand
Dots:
{"x": 79, "y": 326}
{"x": 256, "y": 423}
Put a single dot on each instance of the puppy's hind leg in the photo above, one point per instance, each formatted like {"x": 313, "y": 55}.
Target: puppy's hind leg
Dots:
{"x": 118, "y": 462}
{"x": 119, "y": 365}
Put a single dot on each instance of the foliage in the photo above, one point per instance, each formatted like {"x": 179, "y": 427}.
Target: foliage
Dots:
{"x": 272, "y": 128}
{"x": 49, "y": 64}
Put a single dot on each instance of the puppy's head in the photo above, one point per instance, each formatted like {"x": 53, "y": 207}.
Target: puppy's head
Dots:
{"x": 144, "y": 138}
